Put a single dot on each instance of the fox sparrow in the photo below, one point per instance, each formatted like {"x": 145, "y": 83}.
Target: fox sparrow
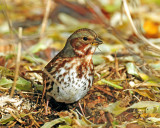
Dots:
{"x": 69, "y": 75}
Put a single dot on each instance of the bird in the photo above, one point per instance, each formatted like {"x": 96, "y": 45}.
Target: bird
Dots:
{"x": 69, "y": 75}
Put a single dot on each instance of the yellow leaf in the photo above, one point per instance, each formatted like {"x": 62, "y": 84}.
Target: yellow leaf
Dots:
{"x": 145, "y": 93}
{"x": 150, "y": 28}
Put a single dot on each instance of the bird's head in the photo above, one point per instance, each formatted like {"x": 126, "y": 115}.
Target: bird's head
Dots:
{"x": 82, "y": 42}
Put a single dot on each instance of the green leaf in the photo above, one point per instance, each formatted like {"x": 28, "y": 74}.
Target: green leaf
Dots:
{"x": 157, "y": 2}
{"x": 23, "y": 84}
{"x": 4, "y": 27}
{"x": 111, "y": 84}
{"x": 9, "y": 118}
{"x": 112, "y": 6}
{"x": 38, "y": 87}
{"x": 145, "y": 104}
{"x": 34, "y": 59}
{"x": 131, "y": 69}
{"x": 143, "y": 76}
{"x": 4, "y": 82}
{"x": 152, "y": 119}
{"x": 6, "y": 72}
{"x": 50, "y": 124}
{"x": 115, "y": 108}
{"x": 148, "y": 106}
{"x": 97, "y": 59}
{"x": 6, "y": 119}
{"x": 65, "y": 126}
{"x": 155, "y": 66}
{"x": 40, "y": 46}
{"x": 145, "y": 93}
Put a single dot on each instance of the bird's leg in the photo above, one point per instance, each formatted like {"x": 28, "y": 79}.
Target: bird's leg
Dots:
{"x": 81, "y": 108}
{"x": 47, "y": 97}
{"x": 46, "y": 106}
{"x": 44, "y": 88}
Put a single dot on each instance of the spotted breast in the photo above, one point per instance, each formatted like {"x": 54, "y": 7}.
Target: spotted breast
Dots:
{"x": 71, "y": 71}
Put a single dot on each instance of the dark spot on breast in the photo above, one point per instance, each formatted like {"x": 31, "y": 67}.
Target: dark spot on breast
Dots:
{"x": 60, "y": 76}
{"x": 79, "y": 71}
{"x": 60, "y": 64}
{"x": 89, "y": 85}
{"x": 84, "y": 83}
{"x": 63, "y": 63}
{"x": 64, "y": 74}
{"x": 73, "y": 81}
{"x": 67, "y": 68}
{"x": 69, "y": 79}
{"x": 62, "y": 80}
{"x": 91, "y": 74}
{"x": 67, "y": 85}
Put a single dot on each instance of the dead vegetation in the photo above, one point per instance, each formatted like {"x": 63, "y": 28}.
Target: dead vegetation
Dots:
{"x": 127, "y": 66}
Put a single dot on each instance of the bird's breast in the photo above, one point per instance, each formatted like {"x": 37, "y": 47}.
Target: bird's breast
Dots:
{"x": 75, "y": 78}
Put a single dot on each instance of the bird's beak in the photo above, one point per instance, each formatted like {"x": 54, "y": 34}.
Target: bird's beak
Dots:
{"x": 97, "y": 41}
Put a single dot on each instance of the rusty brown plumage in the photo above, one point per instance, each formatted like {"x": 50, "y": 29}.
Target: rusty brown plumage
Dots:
{"x": 72, "y": 68}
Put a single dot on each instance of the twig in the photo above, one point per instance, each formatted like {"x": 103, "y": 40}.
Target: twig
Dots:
{"x": 81, "y": 108}
{"x": 45, "y": 18}
{"x": 17, "y": 63}
{"x": 12, "y": 125}
{"x": 116, "y": 66}
{"x": 134, "y": 28}
{"x": 51, "y": 77}
{"x": 45, "y": 72}
{"x": 33, "y": 120}
{"x": 34, "y": 71}
{"x": 103, "y": 90}
{"x": 4, "y": 11}
{"x": 15, "y": 117}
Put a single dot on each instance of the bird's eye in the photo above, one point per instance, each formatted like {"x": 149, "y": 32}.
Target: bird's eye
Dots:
{"x": 85, "y": 38}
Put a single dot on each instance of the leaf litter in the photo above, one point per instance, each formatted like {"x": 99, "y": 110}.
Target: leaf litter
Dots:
{"x": 125, "y": 92}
